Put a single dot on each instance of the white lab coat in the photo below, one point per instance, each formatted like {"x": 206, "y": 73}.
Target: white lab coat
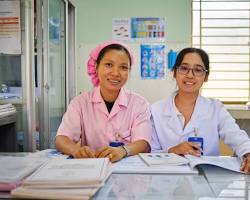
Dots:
{"x": 210, "y": 120}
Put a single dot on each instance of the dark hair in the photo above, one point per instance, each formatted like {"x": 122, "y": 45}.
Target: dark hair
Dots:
{"x": 183, "y": 52}
{"x": 112, "y": 47}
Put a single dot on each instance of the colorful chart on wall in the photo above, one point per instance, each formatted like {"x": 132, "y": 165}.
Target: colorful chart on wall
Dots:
{"x": 152, "y": 62}
{"x": 148, "y": 29}
{"x": 139, "y": 29}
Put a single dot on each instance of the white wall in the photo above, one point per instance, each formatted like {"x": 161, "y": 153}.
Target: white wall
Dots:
{"x": 94, "y": 25}
{"x": 152, "y": 90}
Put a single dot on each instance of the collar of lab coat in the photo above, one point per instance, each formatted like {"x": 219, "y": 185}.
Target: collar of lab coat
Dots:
{"x": 121, "y": 101}
{"x": 200, "y": 113}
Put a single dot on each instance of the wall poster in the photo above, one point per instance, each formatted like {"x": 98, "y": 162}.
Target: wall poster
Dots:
{"x": 153, "y": 62}
{"x": 10, "y": 34}
{"x": 145, "y": 29}
{"x": 148, "y": 29}
{"x": 121, "y": 29}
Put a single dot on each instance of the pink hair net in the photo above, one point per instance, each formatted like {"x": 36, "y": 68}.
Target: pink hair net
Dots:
{"x": 94, "y": 55}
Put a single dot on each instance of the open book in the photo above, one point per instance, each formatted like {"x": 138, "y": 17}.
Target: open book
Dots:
{"x": 225, "y": 162}
{"x": 170, "y": 159}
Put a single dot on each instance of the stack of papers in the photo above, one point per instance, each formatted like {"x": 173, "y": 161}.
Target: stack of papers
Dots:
{"x": 14, "y": 169}
{"x": 65, "y": 179}
{"x": 54, "y": 193}
{"x": 6, "y": 110}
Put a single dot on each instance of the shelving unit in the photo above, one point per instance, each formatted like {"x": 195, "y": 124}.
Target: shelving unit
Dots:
{"x": 8, "y": 142}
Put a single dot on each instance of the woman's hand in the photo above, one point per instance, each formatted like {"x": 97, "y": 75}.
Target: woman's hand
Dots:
{"x": 83, "y": 152}
{"x": 113, "y": 153}
{"x": 186, "y": 148}
{"x": 245, "y": 165}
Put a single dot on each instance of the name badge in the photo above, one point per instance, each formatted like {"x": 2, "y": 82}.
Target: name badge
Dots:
{"x": 198, "y": 141}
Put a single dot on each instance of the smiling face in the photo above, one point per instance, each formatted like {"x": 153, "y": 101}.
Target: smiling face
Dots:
{"x": 190, "y": 83}
{"x": 113, "y": 71}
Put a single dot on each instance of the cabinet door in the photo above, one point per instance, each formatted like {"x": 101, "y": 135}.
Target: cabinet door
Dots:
{"x": 53, "y": 70}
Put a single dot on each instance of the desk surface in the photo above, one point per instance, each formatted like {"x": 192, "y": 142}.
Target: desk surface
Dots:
{"x": 145, "y": 186}
{"x": 223, "y": 181}
{"x": 210, "y": 183}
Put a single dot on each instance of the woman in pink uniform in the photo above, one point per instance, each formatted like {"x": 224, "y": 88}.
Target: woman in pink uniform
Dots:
{"x": 107, "y": 114}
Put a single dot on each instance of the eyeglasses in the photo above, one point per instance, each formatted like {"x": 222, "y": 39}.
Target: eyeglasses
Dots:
{"x": 196, "y": 71}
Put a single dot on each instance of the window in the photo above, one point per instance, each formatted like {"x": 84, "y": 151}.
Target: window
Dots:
{"x": 222, "y": 29}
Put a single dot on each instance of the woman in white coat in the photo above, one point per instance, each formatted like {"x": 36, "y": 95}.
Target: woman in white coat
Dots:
{"x": 187, "y": 123}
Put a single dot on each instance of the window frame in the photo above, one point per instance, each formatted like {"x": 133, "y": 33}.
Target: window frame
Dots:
{"x": 198, "y": 34}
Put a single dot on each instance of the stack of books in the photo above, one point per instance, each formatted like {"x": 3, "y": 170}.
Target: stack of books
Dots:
{"x": 6, "y": 110}
{"x": 65, "y": 179}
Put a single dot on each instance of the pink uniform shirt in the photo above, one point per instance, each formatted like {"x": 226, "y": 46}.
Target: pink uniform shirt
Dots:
{"x": 88, "y": 119}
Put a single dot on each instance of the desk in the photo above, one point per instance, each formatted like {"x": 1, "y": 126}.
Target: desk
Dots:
{"x": 212, "y": 182}
{"x": 209, "y": 183}
{"x": 220, "y": 180}
{"x": 8, "y": 133}
{"x": 160, "y": 187}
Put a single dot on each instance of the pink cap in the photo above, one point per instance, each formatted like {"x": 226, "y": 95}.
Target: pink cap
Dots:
{"x": 94, "y": 55}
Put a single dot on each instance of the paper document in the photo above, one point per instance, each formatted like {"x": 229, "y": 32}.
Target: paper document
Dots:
{"x": 70, "y": 173}
{"x": 81, "y": 194}
{"x": 65, "y": 179}
{"x": 153, "y": 159}
{"x": 135, "y": 165}
{"x": 225, "y": 162}
{"x": 16, "y": 168}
